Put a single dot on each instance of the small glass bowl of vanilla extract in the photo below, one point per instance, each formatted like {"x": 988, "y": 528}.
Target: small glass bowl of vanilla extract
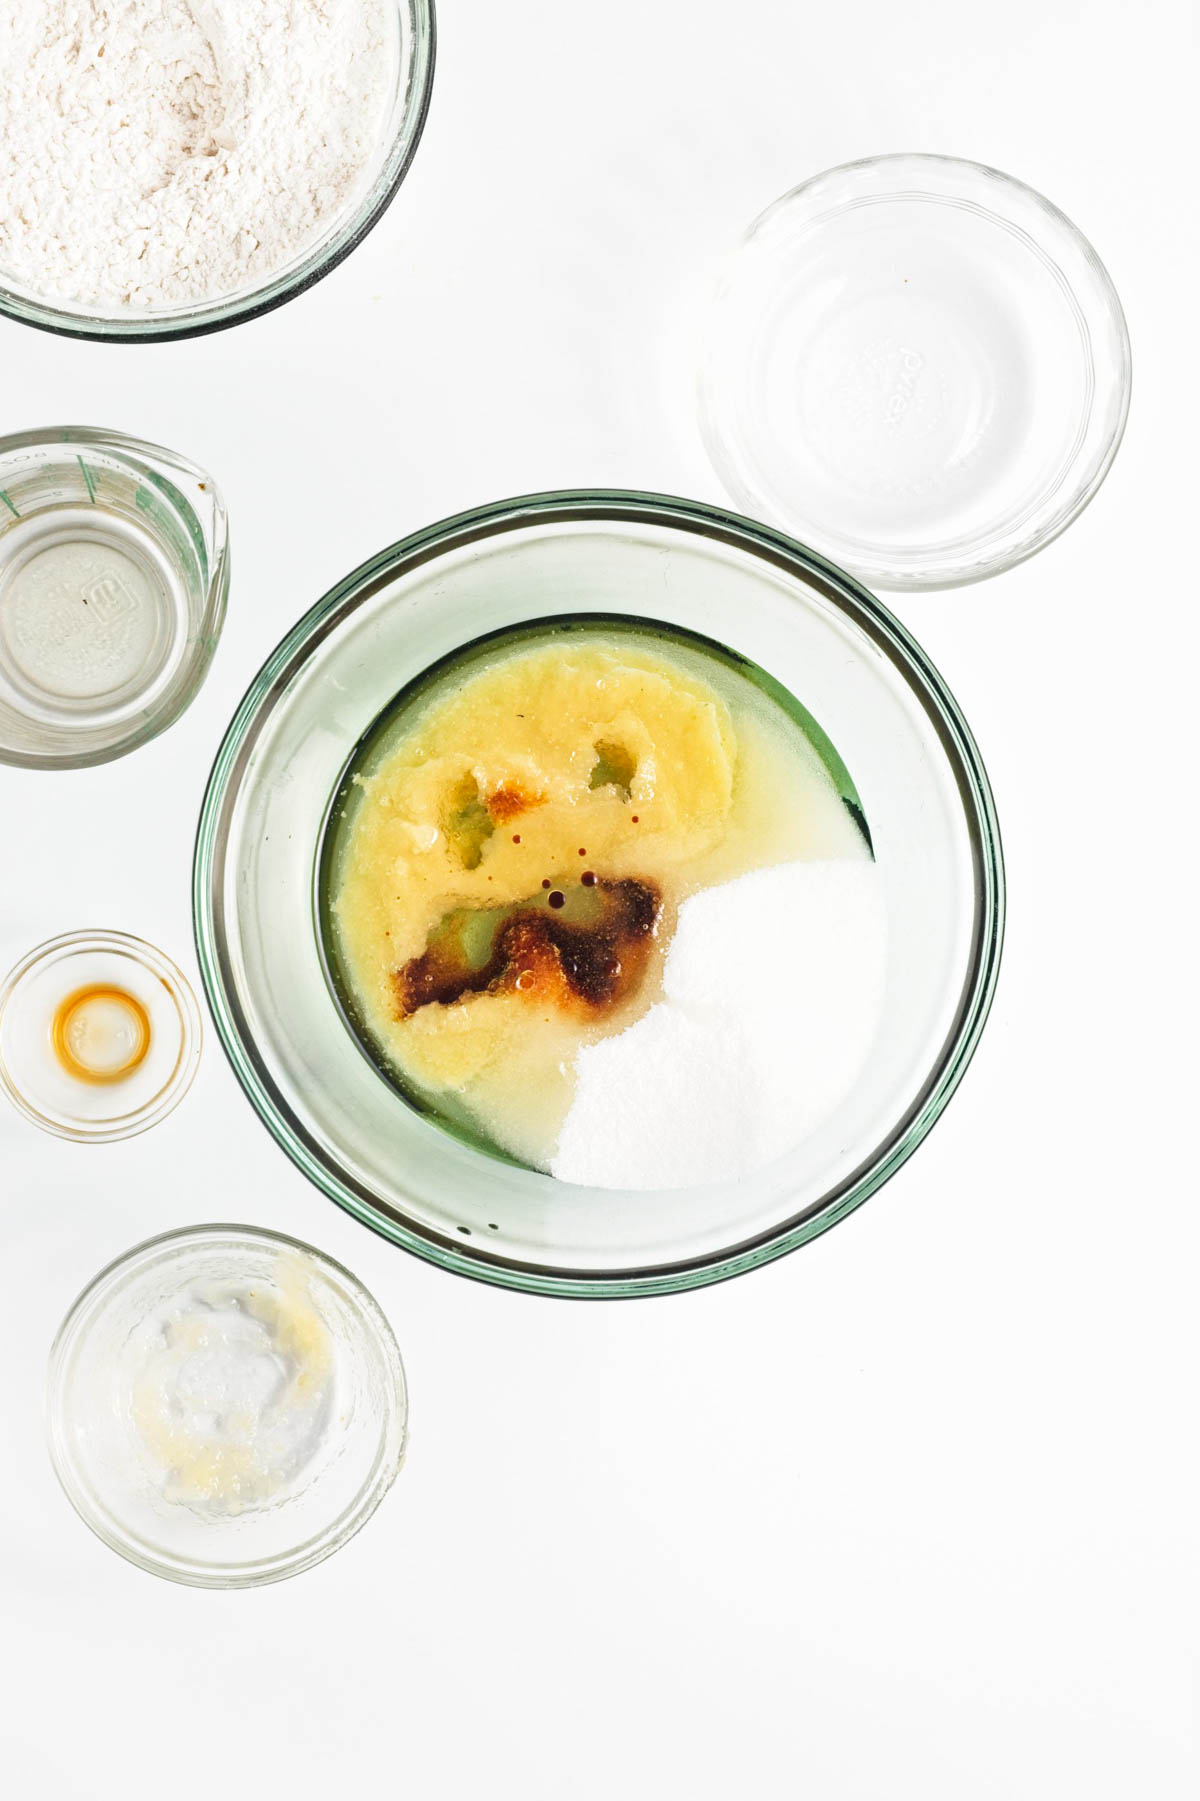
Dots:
{"x": 99, "y": 1036}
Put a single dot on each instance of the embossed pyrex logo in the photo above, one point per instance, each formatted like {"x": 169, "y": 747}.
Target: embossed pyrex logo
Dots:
{"x": 107, "y": 599}
{"x": 904, "y": 388}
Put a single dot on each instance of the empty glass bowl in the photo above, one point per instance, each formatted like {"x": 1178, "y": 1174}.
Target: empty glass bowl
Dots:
{"x": 920, "y": 366}
{"x": 393, "y": 153}
{"x": 923, "y": 791}
{"x": 225, "y": 1406}
{"x": 114, "y": 573}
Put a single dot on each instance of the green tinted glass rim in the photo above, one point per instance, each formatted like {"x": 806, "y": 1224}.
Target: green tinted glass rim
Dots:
{"x": 722, "y": 526}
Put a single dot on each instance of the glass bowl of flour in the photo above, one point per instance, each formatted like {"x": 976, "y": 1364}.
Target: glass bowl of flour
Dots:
{"x": 171, "y": 170}
{"x": 598, "y": 894}
{"x": 225, "y": 1406}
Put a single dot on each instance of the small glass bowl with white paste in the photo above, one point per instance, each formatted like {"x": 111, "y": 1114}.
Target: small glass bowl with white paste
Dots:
{"x": 114, "y": 575}
{"x": 99, "y": 1036}
{"x": 225, "y": 1406}
{"x": 392, "y": 148}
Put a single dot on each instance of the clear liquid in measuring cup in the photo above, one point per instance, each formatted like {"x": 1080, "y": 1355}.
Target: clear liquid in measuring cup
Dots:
{"x": 92, "y": 615}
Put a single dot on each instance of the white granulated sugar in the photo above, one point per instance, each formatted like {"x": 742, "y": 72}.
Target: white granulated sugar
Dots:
{"x": 773, "y": 989}
{"x": 159, "y": 152}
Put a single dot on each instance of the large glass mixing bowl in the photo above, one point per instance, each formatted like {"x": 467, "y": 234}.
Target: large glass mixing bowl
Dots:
{"x": 913, "y": 762}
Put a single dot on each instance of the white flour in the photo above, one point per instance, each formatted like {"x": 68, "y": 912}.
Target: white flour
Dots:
{"x": 160, "y": 152}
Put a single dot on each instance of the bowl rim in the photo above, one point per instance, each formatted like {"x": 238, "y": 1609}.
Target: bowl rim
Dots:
{"x": 220, "y": 314}
{"x": 706, "y": 521}
{"x": 933, "y": 177}
{"x": 256, "y": 1572}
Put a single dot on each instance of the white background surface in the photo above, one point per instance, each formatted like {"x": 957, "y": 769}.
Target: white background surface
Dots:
{"x": 909, "y": 1513}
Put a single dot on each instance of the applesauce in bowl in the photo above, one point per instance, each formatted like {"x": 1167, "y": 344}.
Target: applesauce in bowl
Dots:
{"x": 513, "y": 870}
{"x": 755, "y": 608}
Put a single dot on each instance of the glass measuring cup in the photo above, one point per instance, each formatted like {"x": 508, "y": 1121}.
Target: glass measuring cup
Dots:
{"x": 114, "y": 573}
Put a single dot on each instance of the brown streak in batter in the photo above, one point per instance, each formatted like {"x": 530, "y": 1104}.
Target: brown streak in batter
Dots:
{"x": 509, "y": 802}
{"x": 592, "y": 966}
